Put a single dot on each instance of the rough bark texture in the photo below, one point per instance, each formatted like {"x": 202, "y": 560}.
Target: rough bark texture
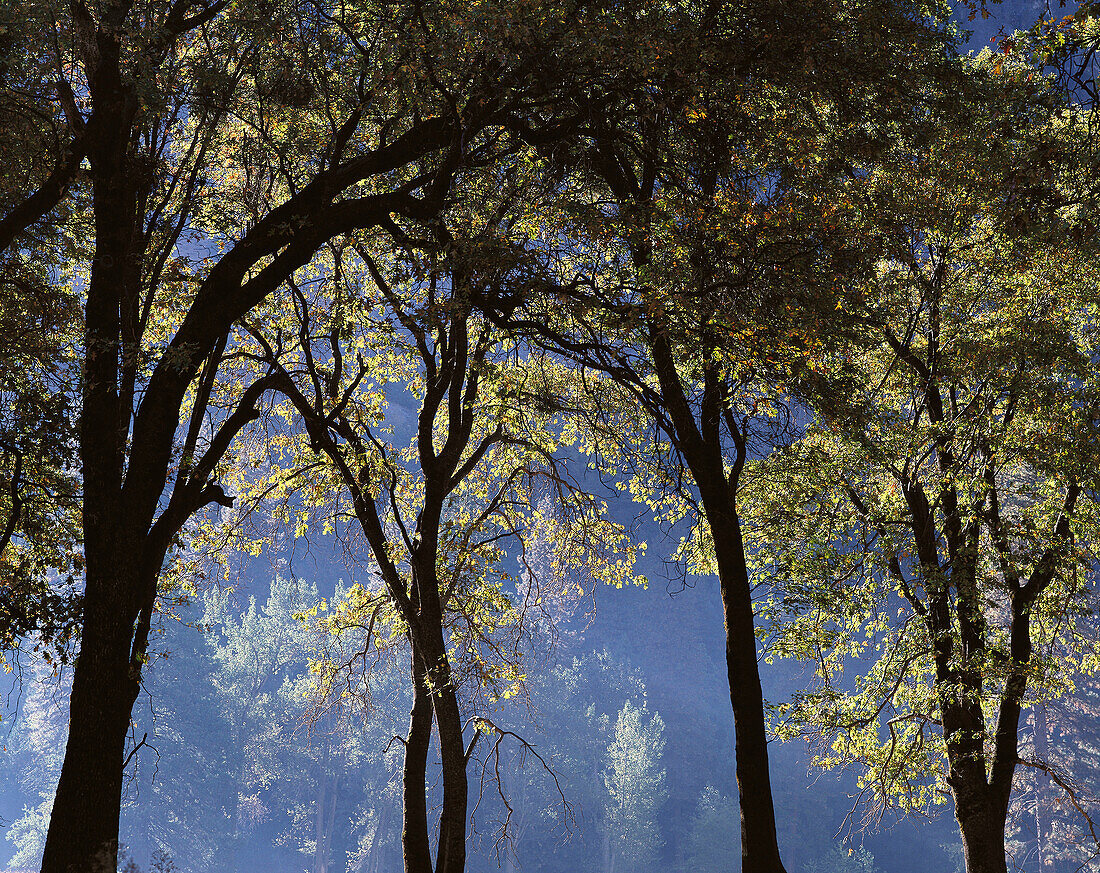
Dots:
{"x": 982, "y": 825}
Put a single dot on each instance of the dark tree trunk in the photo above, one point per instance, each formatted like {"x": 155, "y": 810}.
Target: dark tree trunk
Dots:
{"x": 759, "y": 844}
{"x": 980, "y": 790}
{"x": 451, "y": 848}
{"x": 452, "y": 820}
{"x": 982, "y": 824}
{"x": 698, "y": 438}
{"x": 134, "y": 502}
{"x": 414, "y": 832}
{"x": 83, "y": 832}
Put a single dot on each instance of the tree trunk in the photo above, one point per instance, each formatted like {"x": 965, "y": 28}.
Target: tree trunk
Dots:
{"x": 320, "y": 807}
{"x": 451, "y": 856}
{"x": 982, "y": 824}
{"x": 330, "y": 824}
{"x": 701, "y": 446}
{"x": 981, "y": 801}
{"x": 83, "y": 831}
{"x": 759, "y": 844}
{"x": 324, "y": 811}
{"x": 414, "y": 832}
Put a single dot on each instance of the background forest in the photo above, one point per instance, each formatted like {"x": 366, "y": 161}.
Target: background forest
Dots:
{"x": 556, "y": 436}
{"x": 241, "y": 782}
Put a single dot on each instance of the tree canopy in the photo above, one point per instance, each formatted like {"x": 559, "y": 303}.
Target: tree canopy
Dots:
{"x": 435, "y": 280}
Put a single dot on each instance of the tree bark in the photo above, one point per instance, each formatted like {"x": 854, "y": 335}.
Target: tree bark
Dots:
{"x": 697, "y": 436}
{"x": 451, "y": 856}
{"x": 133, "y": 504}
{"x": 451, "y": 848}
{"x": 759, "y": 842}
{"x": 982, "y": 824}
{"x": 83, "y": 832}
{"x": 414, "y": 832}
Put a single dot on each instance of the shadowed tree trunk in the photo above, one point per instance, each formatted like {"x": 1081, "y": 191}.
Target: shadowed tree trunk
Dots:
{"x": 759, "y": 842}
{"x": 698, "y": 436}
{"x": 141, "y": 481}
{"x": 415, "y": 847}
{"x": 102, "y": 697}
{"x": 754, "y": 790}
{"x": 947, "y": 530}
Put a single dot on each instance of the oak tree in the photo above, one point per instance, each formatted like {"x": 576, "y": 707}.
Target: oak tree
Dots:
{"x": 933, "y": 530}
{"x": 202, "y": 152}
